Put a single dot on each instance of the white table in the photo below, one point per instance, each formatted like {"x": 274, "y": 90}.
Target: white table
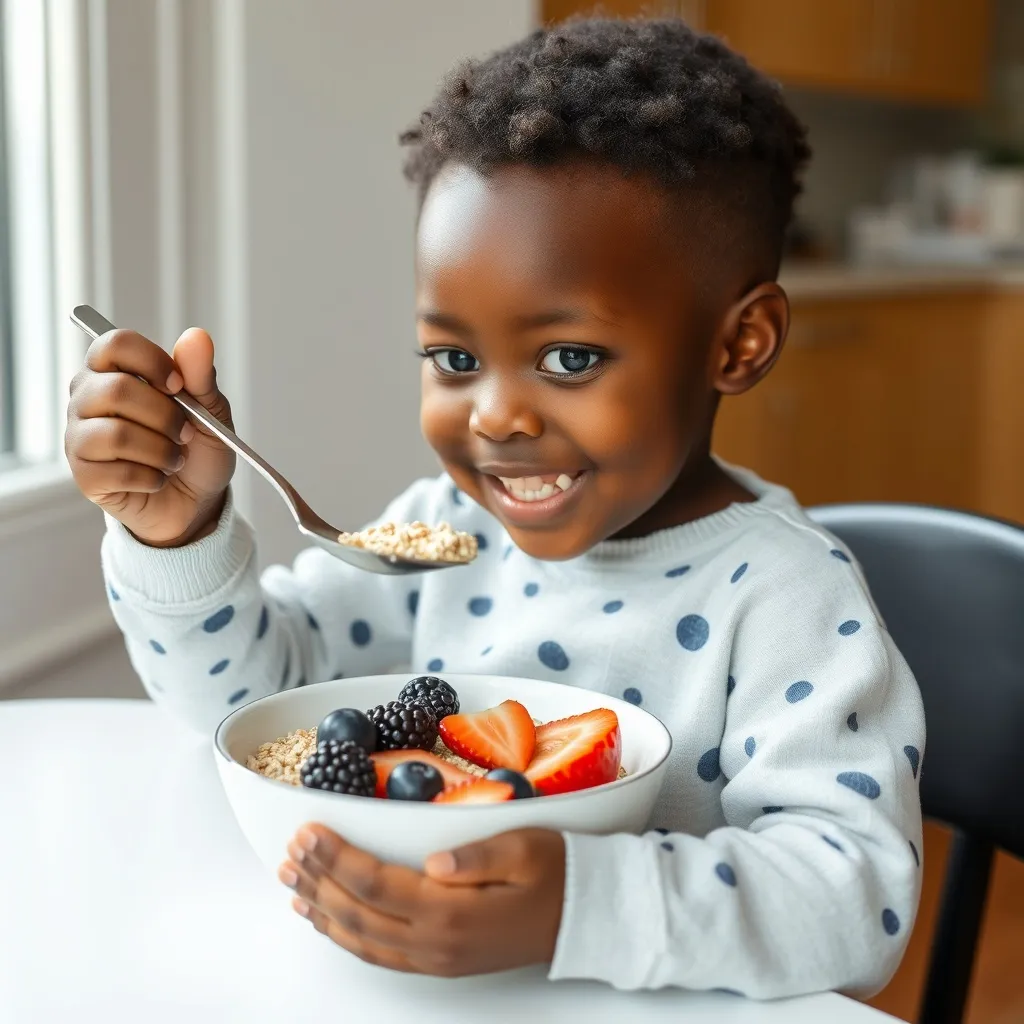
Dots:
{"x": 127, "y": 893}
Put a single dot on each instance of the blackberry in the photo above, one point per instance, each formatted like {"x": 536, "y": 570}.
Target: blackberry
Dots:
{"x": 431, "y": 692}
{"x": 404, "y": 727}
{"x": 340, "y": 768}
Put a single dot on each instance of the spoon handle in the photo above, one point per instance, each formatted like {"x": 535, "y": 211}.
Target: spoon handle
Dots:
{"x": 95, "y": 324}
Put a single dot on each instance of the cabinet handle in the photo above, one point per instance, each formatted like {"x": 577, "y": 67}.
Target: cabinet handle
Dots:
{"x": 820, "y": 335}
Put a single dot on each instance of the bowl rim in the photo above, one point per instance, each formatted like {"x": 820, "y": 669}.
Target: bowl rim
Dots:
{"x": 222, "y": 755}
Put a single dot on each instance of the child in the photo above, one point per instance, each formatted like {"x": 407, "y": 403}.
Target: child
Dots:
{"x": 603, "y": 208}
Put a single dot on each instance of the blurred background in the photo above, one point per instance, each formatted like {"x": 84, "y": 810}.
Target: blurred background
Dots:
{"x": 234, "y": 164}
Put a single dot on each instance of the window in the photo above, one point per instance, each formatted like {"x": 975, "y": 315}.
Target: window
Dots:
{"x": 6, "y": 354}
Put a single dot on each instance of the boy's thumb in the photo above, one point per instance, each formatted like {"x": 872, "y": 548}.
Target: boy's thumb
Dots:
{"x": 193, "y": 354}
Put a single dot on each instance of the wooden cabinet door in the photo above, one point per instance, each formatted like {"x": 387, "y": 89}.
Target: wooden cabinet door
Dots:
{"x": 940, "y": 50}
{"x": 871, "y": 400}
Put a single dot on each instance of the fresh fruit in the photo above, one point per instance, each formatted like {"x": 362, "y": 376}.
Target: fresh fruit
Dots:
{"x": 522, "y": 788}
{"x": 340, "y": 768}
{"x": 400, "y": 727}
{"x": 386, "y": 761}
{"x": 348, "y": 724}
{"x": 414, "y": 780}
{"x": 576, "y": 753}
{"x": 433, "y": 692}
{"x": 502, "y": 737}
{"x": 479, "y": 791}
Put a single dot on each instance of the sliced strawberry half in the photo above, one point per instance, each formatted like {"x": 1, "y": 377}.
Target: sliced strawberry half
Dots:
{"x": 385, "y": 762}
{"x": 576, "y": 753}
{"x": 478, "y": 791}
{"x": 501, "y": 737}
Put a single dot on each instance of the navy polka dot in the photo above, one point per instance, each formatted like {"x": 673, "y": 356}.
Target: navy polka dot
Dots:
{"x": 157, "y": 646}
{"x": 725, "y": 873}
{"x": 412, "y": 602}
{"x": 667, "y": 846}
{"x": 485, "y": 651}
{"x": 738, "y": 574}
{"x": 750, "y": 746}
{"x": 831, "y": 842}
{"x": 662, "y": 831}
{"x": 435, "y": 665}
{"x": 508, "y": 552}
{"x": 841, "y": 555}
{"x": 692, "y": 632}
{"x": 849, "y": 627}
{"x": 680, "y": 570}
{"x": 261, "y": 629}
{"x": 552, "y": 655}
{"x": 114, "y": 595}
{"x": 708, "y": 767}
{"x": 730, "y": 686}
{"x": 220, "y": 619}
{"x": 860, "y": 783}
{"x": 219, "y": 667}
{"x": 481, "y": 542}
{"x": 890, "y": 922}
{"x": 799, "y": 691}
{"x": 772, "y": 810}
{"x": 313, "y": 624}
{"x": 480, "y": 605}
{"x": 852, "y": 722}
{"x": 530, "y": 589}
{"x": 632, "y": 695}
{"x": 456, "y": 496}
{"x": 237, "y": 696}
{"x": 917, "y": 856}
{"x": 914, "y": 757}
{"x": 361, "y": 633}
{"x": 612, "y": 607}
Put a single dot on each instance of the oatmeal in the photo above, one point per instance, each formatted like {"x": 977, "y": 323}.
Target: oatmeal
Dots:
{"x": 415, "y": 541}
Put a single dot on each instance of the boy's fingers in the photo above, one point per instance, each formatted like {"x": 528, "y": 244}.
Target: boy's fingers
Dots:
{"x": 113, "y": 440}
{"x": 369, "y": 952}
{"x": 128, "y": 352}
{"x": 98, "y": 481}
{"x": 123, "y": 395}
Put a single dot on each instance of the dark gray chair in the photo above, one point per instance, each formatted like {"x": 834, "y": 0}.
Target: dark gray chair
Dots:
{"x": 950, "y": 587}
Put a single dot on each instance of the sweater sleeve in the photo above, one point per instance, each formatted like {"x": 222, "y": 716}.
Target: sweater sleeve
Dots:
{"x": 206, "y": 633}
{"x": 813, "y": 881}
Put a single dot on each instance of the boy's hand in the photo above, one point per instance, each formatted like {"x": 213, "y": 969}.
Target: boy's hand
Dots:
{"x": 135, "y": 452}
{"x": 487, "y": 907}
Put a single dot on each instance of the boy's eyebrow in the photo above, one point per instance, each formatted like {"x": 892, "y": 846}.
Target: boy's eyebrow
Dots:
{"x": 548, "y": 318}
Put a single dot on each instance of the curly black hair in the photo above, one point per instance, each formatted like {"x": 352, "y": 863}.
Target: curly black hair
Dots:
{"x": 649, "y": 96}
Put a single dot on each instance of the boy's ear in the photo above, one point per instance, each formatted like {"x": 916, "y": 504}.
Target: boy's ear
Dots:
{"x": 750, "y": 339}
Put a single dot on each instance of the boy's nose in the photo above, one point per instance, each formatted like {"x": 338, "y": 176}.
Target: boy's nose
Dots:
{"x": 499, "y": 414}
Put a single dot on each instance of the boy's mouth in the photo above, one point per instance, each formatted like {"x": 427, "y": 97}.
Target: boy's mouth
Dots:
{"x": 537, "y": 488}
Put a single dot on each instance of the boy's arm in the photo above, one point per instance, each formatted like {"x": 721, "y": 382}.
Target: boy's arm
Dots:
{"x": 206, "y": 634}
{"x": 813, "y": 883}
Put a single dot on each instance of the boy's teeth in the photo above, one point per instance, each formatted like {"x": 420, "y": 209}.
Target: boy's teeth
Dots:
{"x": 533, "y": 488}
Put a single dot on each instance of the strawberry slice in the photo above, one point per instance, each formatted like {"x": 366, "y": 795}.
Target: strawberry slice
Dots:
{"x": 478, "y": 791}
{"x": 385, "y": 761}
{"x": 502, "y": 737}
{"x": 576, "y": 753}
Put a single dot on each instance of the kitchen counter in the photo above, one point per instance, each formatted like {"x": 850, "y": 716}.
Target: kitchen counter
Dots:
{"x": 817, "y": 281}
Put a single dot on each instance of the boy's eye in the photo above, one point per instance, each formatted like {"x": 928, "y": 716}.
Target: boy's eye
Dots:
{"x": 454, "y": 360}
{"x": 569, "y": 359}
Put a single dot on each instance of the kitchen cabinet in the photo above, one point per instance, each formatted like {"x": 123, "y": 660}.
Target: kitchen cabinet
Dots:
{"x": 926, "y": 51}
{"x": 872, "y": 399}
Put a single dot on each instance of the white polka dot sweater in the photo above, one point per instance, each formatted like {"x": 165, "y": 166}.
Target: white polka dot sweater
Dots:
{"x": 782, "y": 856}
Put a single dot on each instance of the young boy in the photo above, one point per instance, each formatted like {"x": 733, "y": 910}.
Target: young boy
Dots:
{"x": 603, "y": 207}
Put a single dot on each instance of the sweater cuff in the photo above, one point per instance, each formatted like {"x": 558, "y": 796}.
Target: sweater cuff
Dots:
{"x": 613, "y": 915}
{"x": 179, "y": 576}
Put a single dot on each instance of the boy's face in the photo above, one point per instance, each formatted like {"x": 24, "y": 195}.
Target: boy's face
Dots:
{"x": 570, "y": 381}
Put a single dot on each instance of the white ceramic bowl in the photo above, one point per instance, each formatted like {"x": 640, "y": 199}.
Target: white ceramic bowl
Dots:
{"x": 269, "y": 812}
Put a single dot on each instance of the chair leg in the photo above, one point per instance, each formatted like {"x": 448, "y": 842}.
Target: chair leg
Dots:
{"x": 956, "y": 935}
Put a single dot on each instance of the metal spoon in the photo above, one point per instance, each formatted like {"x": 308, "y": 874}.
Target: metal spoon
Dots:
{"x": 310, "y": 525}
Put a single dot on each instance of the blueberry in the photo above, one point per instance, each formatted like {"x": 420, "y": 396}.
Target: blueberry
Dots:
{"x": 521, "y": 785}
{"x": 348, "y": 724}
{"x": 414, "y": 780}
